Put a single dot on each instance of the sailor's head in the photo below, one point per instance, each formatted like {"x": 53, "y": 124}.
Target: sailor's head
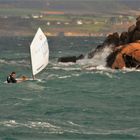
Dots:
{"x": 13, "y": 74}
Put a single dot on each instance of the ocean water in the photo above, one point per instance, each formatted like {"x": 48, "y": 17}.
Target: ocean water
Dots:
{"x": 67, "y": 101}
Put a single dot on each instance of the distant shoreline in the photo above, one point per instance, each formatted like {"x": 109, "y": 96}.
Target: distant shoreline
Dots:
{"x": 67, "y": 34}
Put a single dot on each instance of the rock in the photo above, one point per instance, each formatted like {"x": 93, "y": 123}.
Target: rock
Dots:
{"x": 125, "y": 49}
{"x": 138, "y": 25}
{"x": 67, "y": 59}
{"x": 112, "y": 39}
{"x": 131, "y": 28}
{"x": 93, "y": 52}
{"x": 80, "y": 57}
{"x": 124, "y": 38}
{"x": 127, "y": 53}
{"x": 72, "y": 59}
{"x": 111, "y": 58}
{"x": 128, "y": 56}
{"x": 136, "y": 36}
{"x": 131, "y": 31}
{"x": 138, "y": 18}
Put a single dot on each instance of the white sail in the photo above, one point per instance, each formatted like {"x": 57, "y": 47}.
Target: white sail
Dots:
{"x": 39, "y": 50}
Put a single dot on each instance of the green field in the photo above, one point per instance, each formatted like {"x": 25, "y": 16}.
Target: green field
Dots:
{"x": 20, "y": 21}
{"x": 17, "y": 11}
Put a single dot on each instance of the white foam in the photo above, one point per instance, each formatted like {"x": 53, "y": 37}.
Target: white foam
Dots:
{"x": 98, "y": 59}
{"x": 25, "y": 99}
{"x": 10, "y": 123}
{"x": 66, "y": 68}
{"x": 15, "y": 62}
{"x": 73, "y": 124}
{"x": 124, "y": 70}
{"x": 41, "y": 125}
{"x": 2, "y": 61}
{"x": 64, "y": 77}
{"x": 28, "y": 124}
{"x": 66, "y": 64}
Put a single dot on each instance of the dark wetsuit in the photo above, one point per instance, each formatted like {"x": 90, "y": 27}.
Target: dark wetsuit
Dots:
{"x": 10, "y": 79}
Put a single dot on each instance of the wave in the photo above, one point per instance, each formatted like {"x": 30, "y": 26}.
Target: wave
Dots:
{"x": 53, "y": 76}
{"x": 22, "y": 62}
{"x": 66, "y": 64}
{"x": 34, "y": 86}
{"x": 77, "y": 70}
{"x": 73, "y": 124}
{"x": 64, "y": 77}
{"x": 126, "y": 70}
{"x": 69, "y": 128}
{"x": 66, "y": 68}
{"x": 29, "y": 124}
{"x": 98, "y": 58}
{"x": 99, "y": 68}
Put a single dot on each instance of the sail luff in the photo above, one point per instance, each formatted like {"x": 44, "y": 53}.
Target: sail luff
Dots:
{"x": 33, "y": 76}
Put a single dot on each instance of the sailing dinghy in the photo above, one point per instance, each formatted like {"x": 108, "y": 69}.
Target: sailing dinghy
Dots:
{"x": 39, "y": 50}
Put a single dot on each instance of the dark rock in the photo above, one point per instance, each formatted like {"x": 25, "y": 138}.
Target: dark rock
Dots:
{"x": 131, "y": 28}
{"x": 93, "y": 52}
{"x": 123, "y": 38}
{"x": 138, "y": 25}
{"x": 131, "y": 31}
{"x": 138, "y": 18}
{"x": 130, "y": 62}
{"x": 111, "y": 58}
{"x": 136, "y": 36}
{"x": 80, "y": 57}
{"x": 112, "y": 39}
{"x": 68, "y": 59}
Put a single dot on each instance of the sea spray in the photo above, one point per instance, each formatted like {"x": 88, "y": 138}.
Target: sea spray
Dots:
{"x": 99, "y": 57}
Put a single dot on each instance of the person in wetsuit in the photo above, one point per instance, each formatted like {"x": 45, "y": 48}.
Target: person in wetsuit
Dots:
{"x": 12, "y": 78}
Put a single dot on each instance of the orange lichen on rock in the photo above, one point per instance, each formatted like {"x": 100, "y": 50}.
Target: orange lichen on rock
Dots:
{"x": 131, "y": 50}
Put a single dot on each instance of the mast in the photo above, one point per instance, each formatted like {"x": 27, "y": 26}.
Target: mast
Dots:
{"x": 33, "y": 76}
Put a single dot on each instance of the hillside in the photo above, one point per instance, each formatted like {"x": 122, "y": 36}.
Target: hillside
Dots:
{"x": 66, "y": 17}
{"x": 74, "y": 6}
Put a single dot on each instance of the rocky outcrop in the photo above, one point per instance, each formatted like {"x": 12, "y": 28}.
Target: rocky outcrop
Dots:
{"x": 127, "y": 53}
{"x": 125, "y": 49}
{"x": 127, "y": 56}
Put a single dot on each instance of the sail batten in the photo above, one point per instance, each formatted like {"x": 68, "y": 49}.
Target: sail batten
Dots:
{"x": 39, "y": 50}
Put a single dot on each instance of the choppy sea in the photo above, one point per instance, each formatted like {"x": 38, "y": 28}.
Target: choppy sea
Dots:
{"x": 67, "y": 101}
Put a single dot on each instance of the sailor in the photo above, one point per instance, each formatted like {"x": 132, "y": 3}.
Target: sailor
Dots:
{"x": 12, "y": 78}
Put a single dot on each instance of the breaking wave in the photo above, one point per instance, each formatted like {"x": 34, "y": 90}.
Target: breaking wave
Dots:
{"x": 29, "y": 124}
{"x": 68, "y": 128}
{"x": 99, "y": 57}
